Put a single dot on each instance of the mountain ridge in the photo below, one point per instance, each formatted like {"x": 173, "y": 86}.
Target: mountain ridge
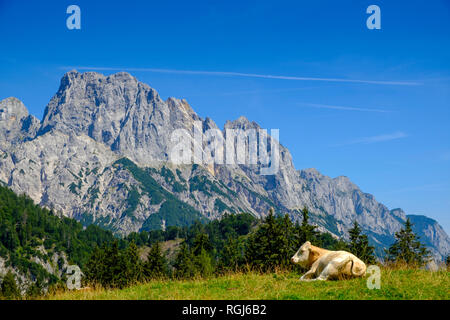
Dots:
{"x": 69, "y": 162}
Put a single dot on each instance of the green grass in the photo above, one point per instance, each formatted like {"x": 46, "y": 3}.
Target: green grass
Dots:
{"x": 395, "y": 284}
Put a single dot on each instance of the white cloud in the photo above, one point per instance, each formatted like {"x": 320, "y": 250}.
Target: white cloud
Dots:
{"x": 240, "y": 74}
{"x": 375, "y": 139}
{"x": 345, "y": 108}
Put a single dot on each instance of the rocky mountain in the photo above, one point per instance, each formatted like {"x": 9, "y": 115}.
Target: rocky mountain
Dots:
{"x": 430, "y": 232}
{"x": 17, "y": 125}
{"x": 102, "y": 154}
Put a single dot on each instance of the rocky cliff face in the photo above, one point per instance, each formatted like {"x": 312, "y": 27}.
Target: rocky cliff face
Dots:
{"x": 15, "y": 123}
{"x": 101, "y": 155}
{"x": 431, "y": 233}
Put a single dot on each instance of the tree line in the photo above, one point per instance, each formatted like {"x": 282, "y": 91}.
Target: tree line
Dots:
{"x": 28, "y": 230}
{"x": 237, "y": 242}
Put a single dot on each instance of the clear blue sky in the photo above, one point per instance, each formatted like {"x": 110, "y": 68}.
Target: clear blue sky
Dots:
{"x": 392, "y": 139}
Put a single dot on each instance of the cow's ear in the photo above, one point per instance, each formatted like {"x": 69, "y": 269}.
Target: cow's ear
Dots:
{"x": 313, "y": 254}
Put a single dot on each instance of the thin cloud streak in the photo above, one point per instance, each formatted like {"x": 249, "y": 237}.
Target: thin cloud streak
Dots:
{"x": 240, "y": 74}
{"x": 376, "y": 139}
{"x": 345, "y": 108}
{"x": 257, "y": 91}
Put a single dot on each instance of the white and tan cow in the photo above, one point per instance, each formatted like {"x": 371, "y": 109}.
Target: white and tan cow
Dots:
{"x": 326, "y": 264}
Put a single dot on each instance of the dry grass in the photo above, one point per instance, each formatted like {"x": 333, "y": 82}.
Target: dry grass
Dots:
{"x": 396, "y": 283}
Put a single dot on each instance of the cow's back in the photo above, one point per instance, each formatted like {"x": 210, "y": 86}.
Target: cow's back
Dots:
{"x": 342, "y": 262}
{"x": 357, "y": 268}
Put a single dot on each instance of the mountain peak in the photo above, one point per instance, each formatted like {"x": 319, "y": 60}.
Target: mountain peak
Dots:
{"x": 91, "y": 76}
{"x": 12, "y": 108}
{"x": 241, "y": 123}
{"x": 312, "y": 171}
{"x": 122, "y": 76}
{"x": 16, "y": 124}
{"x": 10, "y": 100}
{"x": 182, "y": 104}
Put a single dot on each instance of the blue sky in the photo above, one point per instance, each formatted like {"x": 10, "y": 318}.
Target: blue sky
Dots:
{"x": 389, "y": 133}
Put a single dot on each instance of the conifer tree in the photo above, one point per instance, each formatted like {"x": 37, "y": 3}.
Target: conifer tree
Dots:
{"x": 34, "y": 290}
{"x": 231, "y": 255}
{"x": 271, "y": 245}
{"x": 110, "y": 267}
{"x": 201, "y": 242}
{"x": 340, "y": 244}
{"x": 156, "y": 265}
{"x": 9, "y": 287}
{"x": 115, "y": 275}
{"x": 359, "y": 245}
{"x": 96, "y": 267}
{"x": 407, "y": 248}
{"x": 202, "y": 255}
{"x": 133, "y": 266}
{"x": 204, "y": 264}
{"x": 286, "y": 240}
{"x": 306, "y": 232}
{"x": 184, "y": 264}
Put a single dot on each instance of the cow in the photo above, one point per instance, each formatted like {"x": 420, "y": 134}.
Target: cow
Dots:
{"x": 326, "y": 264}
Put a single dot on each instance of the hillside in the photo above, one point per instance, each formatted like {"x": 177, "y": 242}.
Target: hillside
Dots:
{"x": 101, "y": 155}
{"x": 37, "y": 246}
{"x": 395, "y": 285}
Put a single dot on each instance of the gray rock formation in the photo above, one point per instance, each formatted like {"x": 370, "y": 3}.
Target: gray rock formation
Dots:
{"x": 75, "y": 161}
{"x": 430, "y": 233}
{"x": 15, "y": 123}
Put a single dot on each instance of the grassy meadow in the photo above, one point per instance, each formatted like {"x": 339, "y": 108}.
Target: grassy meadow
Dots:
{"x": 403, "y": 284}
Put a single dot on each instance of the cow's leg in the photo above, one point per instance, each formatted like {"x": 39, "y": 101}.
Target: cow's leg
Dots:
{"x": 311, "y": 273}
{"x": 327, "y": 273}
{"x": 308, "y": 276}
{"x": 322, "y": 277}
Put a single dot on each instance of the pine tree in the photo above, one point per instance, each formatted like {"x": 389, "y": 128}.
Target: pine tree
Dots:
{"x": 204, "y": 264}
{"x": 35, "y": 290}
{"x": 184, "y": 264}
{"x": 271, "y": 246}
{"x": 359, "y": 245}
{"x": 407, "y": 248}
{"x": 9, "y": 287}
{"x": 286, "y": 241}
{"x": 110, "y": 267}
{"x": 306, "y": 232}
{"x": 202, "y": 255}
{"x": 201, "y": 242}
{"x": 231, "y": 255}
{"x": 156, "y": 265}
{"x": 133, "y": 266}
{"x": 340, "y": 244}
{"x": 115, "y": 275}
{"x": 96, "y": 268}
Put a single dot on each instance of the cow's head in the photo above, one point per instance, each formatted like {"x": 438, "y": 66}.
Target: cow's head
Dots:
{"x": 306, "y": 255}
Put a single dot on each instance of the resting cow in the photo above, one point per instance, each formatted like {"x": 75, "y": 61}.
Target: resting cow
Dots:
{"x": 327, "y": 265}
